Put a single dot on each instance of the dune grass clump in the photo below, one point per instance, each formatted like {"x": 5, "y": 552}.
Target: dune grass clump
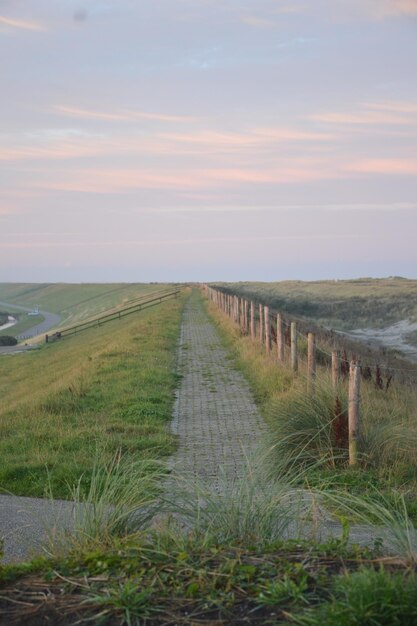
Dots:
{"x": 118, "y": 501}
{"x": 308, "y": 429}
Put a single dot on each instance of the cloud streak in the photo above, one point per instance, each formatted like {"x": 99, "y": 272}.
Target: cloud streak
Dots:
{"x": 123, "y": 116}
{"x": 21, "y": 24}
{"x": 391, "y": 167}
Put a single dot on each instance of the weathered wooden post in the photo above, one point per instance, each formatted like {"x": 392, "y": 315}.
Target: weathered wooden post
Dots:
{"x": 294, "y": 347}
{"x": 246, "y": 315}
{"x": 252, "y": 321}
{"x": 311, "y": 362}
{"x": 353, "y": 411}
{"x": 335, "y": 368}
{"x": 261, "y": 324}
{"x": 280, "y": 339}
{"x": 267, "y": 330}
{"x": 46, "y": 338}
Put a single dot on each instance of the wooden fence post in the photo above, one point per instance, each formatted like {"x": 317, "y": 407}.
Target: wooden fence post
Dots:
{"x": 311, "y": 362}
{"x": 261, "y": 325}
{"x": 335, "y": 368}
{"x": 246, "y": 315}
{"x": 294, "y": 347}
{"x": 267, "y": 330}
{"x": 252, "y": 321}
{"x": 280, "y": 339}
{"x": 353, "y": 411}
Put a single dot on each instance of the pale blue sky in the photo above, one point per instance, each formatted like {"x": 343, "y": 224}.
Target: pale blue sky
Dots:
{"x": 207, "y": 140}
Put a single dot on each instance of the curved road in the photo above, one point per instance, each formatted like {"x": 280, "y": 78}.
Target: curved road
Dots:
{"x": 50, "y": 320}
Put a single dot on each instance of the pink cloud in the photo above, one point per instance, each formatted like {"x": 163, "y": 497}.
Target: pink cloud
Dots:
{"x": 119, "y": 180}
{"x": 384, "y": 166}
{"x": 257, "y": 22}
{"x": 361, "y": 118}
{"x": 21, "y": 24}
{"x": 123, "y": 116}
{"x": 393, "y": 8}
{"x": 396, "y": 107}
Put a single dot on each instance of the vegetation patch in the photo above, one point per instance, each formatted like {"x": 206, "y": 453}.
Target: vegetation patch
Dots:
{"x": 342, "y": 304}
{"x": 308, "y": 430}
{"x": 73, "y": 302}
{"x": 71, "y": 402}
{"x": 165, "y": 580}
{"x": 7, "y": 340}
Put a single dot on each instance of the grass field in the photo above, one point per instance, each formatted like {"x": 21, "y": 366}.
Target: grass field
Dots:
{"x": 343, "y": 305}
{"x": 73, "y": 302}
{"x": 71, "y": 402}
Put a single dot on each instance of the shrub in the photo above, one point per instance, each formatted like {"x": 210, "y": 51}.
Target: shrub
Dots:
{"x": 8, "y": 340}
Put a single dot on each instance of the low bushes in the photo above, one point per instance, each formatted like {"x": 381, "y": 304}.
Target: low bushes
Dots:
{"x": 7, "y": 340}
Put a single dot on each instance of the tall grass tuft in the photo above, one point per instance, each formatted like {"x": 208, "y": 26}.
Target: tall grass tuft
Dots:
{"x": 250, "y": 510}
{"x": 310, "y": 429}
{"x": 120, "y": 500}
{"x": 306, "y": 430}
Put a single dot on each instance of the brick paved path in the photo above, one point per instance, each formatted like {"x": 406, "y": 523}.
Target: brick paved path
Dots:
{"x": 215, "y": 416}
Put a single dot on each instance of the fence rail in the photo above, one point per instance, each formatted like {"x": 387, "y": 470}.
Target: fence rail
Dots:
{"x": 144, "y": 302}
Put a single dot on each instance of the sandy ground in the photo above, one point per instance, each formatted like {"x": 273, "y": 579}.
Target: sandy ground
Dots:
{"x": 390, "y": 337}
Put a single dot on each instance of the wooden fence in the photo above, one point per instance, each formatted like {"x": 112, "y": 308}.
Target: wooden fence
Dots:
{"x": 281, "y": 337}
{"x": 144, "y": 302}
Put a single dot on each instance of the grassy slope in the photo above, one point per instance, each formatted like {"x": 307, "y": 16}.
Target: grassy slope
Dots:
{"x": 74, "y": 302}
{"x": 110, "y": 387}
{"x": 342, "y": 305}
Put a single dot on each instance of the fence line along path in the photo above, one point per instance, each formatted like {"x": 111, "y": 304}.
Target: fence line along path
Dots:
{"x": 215, "y": 417}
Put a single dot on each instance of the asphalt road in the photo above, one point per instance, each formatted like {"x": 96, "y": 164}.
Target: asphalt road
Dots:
{"x": 27, "y": 524}
{"x": 50, "y": 320}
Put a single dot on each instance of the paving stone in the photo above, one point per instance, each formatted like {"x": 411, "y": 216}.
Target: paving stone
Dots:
{"x": 215, "y": 416}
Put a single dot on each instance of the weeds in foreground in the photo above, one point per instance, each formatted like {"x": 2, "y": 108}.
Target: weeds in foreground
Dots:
{"x": 120, "y": 501}
{"x": 367, "y": 598}
{"x": 241, "y": 551}
{"x": 154, "y": 581}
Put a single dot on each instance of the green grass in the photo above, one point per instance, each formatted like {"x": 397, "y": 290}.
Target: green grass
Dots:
{"x": 343, "y": 305}
{"x": 109, "y": 389}
{"x": 166, "y": 580}
{"x": 74, "y": 302}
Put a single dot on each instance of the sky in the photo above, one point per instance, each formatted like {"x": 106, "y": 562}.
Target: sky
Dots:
{"x": 207, "y": 140}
